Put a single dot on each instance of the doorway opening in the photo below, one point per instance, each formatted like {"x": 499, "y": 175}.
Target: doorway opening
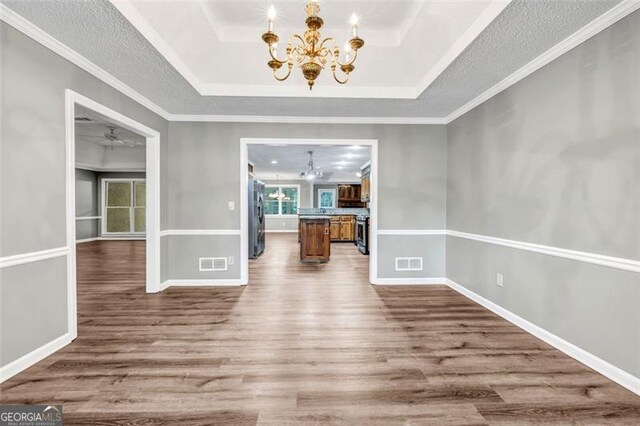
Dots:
{"x": 112, "y": 179}
{"x": 304, "y": 181}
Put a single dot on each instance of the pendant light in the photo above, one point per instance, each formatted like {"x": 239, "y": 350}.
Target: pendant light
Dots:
{"x": 311, "y": 172}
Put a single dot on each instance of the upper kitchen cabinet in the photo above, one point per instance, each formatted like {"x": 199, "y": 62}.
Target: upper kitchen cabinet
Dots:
{"x": 349, "y": 196}
{"x": 365, "y": 187}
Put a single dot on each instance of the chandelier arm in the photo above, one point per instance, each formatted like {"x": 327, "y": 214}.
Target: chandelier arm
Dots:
{"x": 301, "y": 40}
{"x": 335, "y": 77}
{"x": 355, "y": 56}
{"x": 286, "y": 76}
{"x": 274, "y": 58}
{"x": 324, "y": 41}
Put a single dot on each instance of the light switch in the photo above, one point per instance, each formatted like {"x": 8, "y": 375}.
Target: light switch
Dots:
{"x": 232, "y": 205}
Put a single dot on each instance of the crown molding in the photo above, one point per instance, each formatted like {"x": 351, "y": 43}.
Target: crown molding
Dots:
{"x": 594, "y": 27}
{"x": 282, "y": 119}
{"x": 27, "y": 28}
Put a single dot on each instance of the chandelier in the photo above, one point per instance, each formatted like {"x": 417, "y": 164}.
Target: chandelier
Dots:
{"x": 309, "y": 52}
{"x": 311, "y": 172}
{"x": 279, "y": 195}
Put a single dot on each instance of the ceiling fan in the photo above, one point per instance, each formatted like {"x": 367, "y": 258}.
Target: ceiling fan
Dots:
{"x": 112, "y": 140}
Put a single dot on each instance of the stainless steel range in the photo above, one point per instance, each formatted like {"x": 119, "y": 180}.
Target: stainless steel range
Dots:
{"x": 362, "y": 234}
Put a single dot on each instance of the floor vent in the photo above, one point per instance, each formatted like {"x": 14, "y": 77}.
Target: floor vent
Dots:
{"x": 208, "y": 264}
{"x": 408, "y": 264}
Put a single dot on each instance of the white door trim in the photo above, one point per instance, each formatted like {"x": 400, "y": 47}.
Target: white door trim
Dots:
{"x": 153, "y": 195}
{"x": 244, "y": 216}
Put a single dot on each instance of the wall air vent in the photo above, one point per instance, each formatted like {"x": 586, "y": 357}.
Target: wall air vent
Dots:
{"x": 408, "y": 264}
{"x": 208, "y": 264}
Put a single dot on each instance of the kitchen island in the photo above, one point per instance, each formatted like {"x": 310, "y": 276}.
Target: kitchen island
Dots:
{"x": 335, "y": 224}
{"x": 315, "y": 239}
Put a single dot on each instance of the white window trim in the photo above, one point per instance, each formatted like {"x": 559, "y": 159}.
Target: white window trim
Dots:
{"x": 321, "y": 191}
{"x": 103, "y": 207}
{"x": 279, "y": 214}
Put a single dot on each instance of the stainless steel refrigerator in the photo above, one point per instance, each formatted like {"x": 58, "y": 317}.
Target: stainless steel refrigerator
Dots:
{"x": 256, "y": 218}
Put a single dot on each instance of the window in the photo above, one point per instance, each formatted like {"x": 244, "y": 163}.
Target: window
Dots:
{"x": 124, "y": 206}
{"x": 326, "y": 198}
{"x": 287, "y": 204}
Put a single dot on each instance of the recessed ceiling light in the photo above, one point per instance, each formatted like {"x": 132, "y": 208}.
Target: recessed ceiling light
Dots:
{"x": 358, "y": 174}
{"x": 274, "y": 161}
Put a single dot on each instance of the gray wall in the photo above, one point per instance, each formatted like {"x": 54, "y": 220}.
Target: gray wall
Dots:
{"x": 203, "y": 175}
{"x": 87, "y": 204}
{"x": 283, "y": 223}
{"x": 32, "y": 184}
{"x": 555, "y": 160}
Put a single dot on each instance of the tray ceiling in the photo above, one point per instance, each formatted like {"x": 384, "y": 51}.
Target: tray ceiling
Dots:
{"x": 216, "y": 45}
{"x": 97, "y": 30}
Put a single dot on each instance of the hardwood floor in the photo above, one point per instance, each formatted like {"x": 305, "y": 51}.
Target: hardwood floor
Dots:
{"x": 302, "y": 344}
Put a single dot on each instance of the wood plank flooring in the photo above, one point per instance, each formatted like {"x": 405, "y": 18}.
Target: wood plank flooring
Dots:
{"x": 302, "y": 344}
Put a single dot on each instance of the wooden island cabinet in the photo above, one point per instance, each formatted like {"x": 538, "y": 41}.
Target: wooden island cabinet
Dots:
{"x": 315, "y": 239}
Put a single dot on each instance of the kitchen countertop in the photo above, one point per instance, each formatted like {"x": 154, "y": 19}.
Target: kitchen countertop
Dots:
{"x": 315, "y": 216}
{"x": 332, "y": 212}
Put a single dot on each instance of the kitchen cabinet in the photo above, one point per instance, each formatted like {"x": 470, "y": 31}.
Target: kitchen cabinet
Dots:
{"x": 347, "y": 231}
{"x": 335, "y": 228}
{"x": 365, "y": 185}
{"x": 342, "y": 228}
{"x": 315, "y": 244}
{"x": 349, "y": 196}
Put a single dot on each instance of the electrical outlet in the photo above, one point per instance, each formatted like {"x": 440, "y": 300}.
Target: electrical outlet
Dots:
{"x": 499, "y": 280}
{"x": 231, "y": 260}
{"x": 232, "y": 205}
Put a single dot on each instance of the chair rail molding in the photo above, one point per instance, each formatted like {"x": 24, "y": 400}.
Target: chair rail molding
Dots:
{"x": 596, "y": 259}
{"x": 34, "y": 256}
{"x": 168, "y": 232}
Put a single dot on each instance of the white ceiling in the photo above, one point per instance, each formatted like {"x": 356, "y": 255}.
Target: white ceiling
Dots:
{"x": 526, "y": 32}
{"x": 408, "y": 43}
{"x": 338, "y": 163}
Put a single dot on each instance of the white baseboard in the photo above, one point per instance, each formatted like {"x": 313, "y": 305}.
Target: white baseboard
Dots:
{"x": 26, "y": 361}
{"x": 601, "y": 366}
{"x": 213, "y": 282}
{"x": 409, "y": 281}
{"x": 87, "y": 240}
{"x": 122, "y": 238}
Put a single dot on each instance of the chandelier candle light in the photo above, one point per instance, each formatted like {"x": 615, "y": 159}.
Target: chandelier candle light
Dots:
{"x": 309, "y": 52}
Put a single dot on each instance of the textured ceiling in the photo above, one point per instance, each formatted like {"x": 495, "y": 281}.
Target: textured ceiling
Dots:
{"x": 335, "y": 161}
{"x": 524, "y": 30}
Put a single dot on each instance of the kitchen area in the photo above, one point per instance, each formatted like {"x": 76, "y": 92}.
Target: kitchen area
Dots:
{"x": 325, "y": 204}
{"x": 320, "y": 227}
